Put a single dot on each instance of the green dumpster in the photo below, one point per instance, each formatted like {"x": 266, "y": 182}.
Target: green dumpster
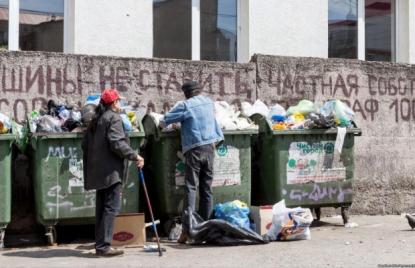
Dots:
{"x": 5, "y": 182}
{"x": 232, "y": 169}
{"x": 303, "y": 167}
{"x": 58, "y": 182}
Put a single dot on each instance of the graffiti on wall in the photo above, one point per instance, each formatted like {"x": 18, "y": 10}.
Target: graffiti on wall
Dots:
{"x": 365, "y": 93}
{"x": 26, "y": 88}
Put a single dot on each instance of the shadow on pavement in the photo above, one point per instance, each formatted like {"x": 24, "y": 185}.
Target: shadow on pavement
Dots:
{"x": 317, "y": 223}
{"x": 50, "y": 253}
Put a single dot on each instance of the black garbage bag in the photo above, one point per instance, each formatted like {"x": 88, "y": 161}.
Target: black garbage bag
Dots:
{"x": 88, "y": 113}
{"x": 220, "y": 232}
{"x": 319, "y": 121}
{"x": 70, "y": 125}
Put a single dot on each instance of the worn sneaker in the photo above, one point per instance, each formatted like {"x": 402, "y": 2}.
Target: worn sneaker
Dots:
{"x": 112, "y": 252}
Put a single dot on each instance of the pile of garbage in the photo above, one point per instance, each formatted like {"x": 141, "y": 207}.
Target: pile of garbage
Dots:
{"x": 304, "y": 115}
{"x": 58, "y": 118}
{"x": 228, "y": 117}
{"x": 289, "y": 224}
{"x": 5, "y": 124}
{"x": 231, "y": 225}
{"x": 9, "y": 126}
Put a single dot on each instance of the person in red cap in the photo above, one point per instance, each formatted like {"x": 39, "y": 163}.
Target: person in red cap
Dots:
{"x": 106, "y": 152}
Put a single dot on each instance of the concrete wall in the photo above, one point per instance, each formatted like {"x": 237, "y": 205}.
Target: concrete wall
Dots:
{"x": 288, "y": 27}
{"x": 381, "y": 94}
{"x": 106, "y": 27}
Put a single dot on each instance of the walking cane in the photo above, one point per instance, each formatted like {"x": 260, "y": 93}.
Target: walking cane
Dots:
{"x": 141, "y": 178}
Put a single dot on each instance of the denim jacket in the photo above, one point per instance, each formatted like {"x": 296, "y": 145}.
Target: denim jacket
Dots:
{"x": 198, "y": 124}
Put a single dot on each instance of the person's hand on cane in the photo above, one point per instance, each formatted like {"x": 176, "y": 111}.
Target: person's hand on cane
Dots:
{"x": 139, "y": 162}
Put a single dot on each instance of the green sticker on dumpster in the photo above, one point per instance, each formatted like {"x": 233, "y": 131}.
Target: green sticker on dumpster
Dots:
{"x": 314, "y": 162}
{"x": 226, "y": 168}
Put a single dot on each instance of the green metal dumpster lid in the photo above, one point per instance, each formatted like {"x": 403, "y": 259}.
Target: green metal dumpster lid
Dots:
{"x": 73, "y": 135}
{"x": 7, "y": 137}
{"x": 356, "y": 131}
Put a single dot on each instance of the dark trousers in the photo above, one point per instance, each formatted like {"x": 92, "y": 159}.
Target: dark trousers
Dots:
{"x": 198, "y": 171}
{"x": 107, "y": 207}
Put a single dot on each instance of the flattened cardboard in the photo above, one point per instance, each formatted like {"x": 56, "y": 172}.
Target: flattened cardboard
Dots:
{"x": 129, "y": 230}
{"x": 262, "y": 217}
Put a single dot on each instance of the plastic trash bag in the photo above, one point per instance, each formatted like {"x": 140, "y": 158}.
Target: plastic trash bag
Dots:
{"x": 87, "y": 113}
{"x": 277, "y": 110}
{"x": 93, "y": 99}
{"x": 132, "y": 118}
{"x": 258, "y": 108}
{"x": 220, "y": 232}
{"x": 229, "y": 118}
{"x": 5, "y": 124}
{"x": 246, "y": 108}
{"x": 48, "y": 124}
{"x": 33, "y": 119}
{"x": 70, "y": 124}
{"x": 175, "y": 231}
{"x": 290, "y": 223}
{"x": 319, "y": 121}
{"x": 303, "y": 107}
{"x": 64, "y": 114}
{"x": 225, "y": 116}
{"x": 342, "y": 113}
{"x": 76, "y": 116}
{"x": 128, "y": 127}
{"x": 21, "y": 136}
{"x": 235, "y": 212}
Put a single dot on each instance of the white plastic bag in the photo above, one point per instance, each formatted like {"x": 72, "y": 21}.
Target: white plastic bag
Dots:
{"x": 290, "y": 223}
{"x": 258, "y": 108}
{"x": 225, "y": 116}
{"x": 246, "y": 108}
{"x": 277, "y": 110}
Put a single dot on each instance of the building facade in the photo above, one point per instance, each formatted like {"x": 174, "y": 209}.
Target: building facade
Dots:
{"x": 218, "y": 30}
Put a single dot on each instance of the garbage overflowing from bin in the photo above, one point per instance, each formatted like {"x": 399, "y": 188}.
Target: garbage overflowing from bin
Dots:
{"x": 8, "y": 126}
{"x": 56, "y": 133}
{"x": 228, "y": 117}
{"x": 304, "y": 115}
{"x": 58, "y": 118}
{"x": 304, "y": 155}
{"x": 165, "y": 163}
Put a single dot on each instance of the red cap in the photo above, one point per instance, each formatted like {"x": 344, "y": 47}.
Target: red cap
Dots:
{"x": 110, "y": 95}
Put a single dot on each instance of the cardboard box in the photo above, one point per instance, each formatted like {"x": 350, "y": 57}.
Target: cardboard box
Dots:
{"x": 129, "y": 230}
{"x": 262, "y": 217}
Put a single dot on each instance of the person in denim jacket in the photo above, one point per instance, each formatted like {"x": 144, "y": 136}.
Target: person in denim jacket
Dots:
{"x": 200, "y": 133}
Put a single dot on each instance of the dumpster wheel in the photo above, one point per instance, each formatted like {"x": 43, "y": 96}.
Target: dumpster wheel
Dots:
{"x": 2, "y": 233}
{"x": 51, "y": 235}
{"x": 345, "y": 214}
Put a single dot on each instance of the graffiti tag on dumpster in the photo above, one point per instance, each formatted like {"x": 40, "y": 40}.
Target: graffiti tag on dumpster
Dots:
{"x": 226, "y": 168}
{"x": 318, "y": 193}
{"x": 314, "y": 162}
{"x": 61, "y": 152}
